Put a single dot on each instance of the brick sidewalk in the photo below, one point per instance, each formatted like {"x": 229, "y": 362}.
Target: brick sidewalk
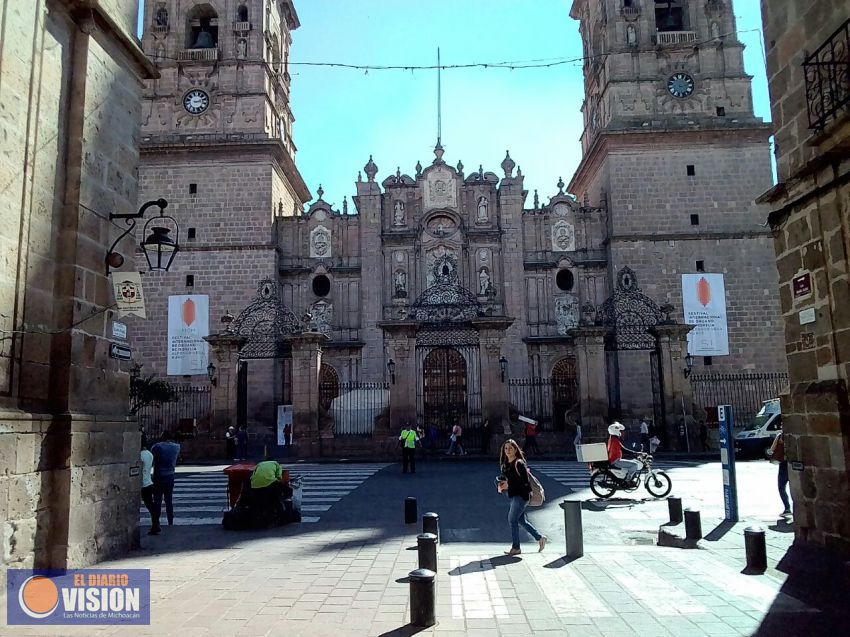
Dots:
{"x": 347, "y": 583}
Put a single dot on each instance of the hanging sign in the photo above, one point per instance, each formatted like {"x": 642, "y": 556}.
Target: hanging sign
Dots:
{"x": 129, "y": 298}
{"x": 704, "y": 304}
{"x": 188, "y": 324}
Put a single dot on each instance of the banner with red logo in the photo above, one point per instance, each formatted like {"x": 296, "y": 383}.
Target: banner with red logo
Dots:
{"x": 704, "y": 304}
{"x": 188, "y": 324}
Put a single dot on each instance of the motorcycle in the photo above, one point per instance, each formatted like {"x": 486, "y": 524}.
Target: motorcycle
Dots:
{"x": 604, "y": 482}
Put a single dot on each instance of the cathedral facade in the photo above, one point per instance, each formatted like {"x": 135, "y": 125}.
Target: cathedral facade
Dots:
{"x": 447, "y": 295}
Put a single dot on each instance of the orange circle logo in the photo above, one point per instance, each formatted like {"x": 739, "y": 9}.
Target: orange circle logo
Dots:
{"x": 38, "y": 597}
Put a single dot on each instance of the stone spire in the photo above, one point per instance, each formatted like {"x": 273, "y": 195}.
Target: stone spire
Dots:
{"x": 508, "y": 165}
{"x": 371, "y": 169}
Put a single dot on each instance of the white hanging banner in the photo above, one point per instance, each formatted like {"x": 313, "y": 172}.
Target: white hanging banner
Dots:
{"x": 704, "y": 304}
{"x": 129, "y": 299}
{"x": 188, "y": 324}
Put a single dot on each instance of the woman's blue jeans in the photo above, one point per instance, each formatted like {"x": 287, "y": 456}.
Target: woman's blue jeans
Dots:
{"x": 516, "y": 516}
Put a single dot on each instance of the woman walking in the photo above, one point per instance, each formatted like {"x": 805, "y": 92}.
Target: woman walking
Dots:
{"x": 514, "y": 480}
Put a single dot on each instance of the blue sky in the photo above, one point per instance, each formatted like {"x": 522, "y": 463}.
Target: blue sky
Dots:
{"x": 343, "y": 116}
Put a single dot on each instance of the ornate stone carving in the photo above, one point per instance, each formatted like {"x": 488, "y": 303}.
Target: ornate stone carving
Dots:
{"x": 561, "y": 209}
{"x": 441, "y": 226}
{"x": 563, "y": 237}
{"x": 566, "y": 313}
{"x": 482, "y": 215}
{"x": 320, "y": 242}
{"x": 441, "y": 266}
{"x": 508, "y": 165}
{"x": 322, "y": 314}
{"x": 440, "y": 188}
{"x": 371, "y": 169}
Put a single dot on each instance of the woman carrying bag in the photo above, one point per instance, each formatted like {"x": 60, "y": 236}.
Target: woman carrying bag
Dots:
{"x": 515, "y": 480}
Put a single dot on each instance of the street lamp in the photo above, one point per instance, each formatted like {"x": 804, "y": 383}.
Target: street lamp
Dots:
{"x": 391, "y": 370}
{"x": 503, "y": 366}
{"x": 211, "y": 374}
{"x": 158, "y": 246}
{"x": 689, "y": 365}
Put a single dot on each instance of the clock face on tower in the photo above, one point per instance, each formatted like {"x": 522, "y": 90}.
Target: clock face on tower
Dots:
{"x": 196, "y": 101}
{"x": 680, "y": 85}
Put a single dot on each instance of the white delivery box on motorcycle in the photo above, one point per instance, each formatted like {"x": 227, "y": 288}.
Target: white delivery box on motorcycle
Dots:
{"x": 595, "y": 452}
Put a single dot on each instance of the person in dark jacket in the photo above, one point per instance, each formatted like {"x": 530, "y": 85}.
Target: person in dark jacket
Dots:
{"x": 514, "y": 480}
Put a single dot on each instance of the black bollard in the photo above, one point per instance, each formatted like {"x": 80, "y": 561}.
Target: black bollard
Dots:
{"x": 410, "y": 514}
{"x": 427, "y": 545}
{"x": 431, "y": 524}
{"x": 755, "y": 548}
{"x": 572, "y": 527}
{"x": 674, "y": 506}
{"x": 422, "y": 597}
{"x": 693, "y": 525}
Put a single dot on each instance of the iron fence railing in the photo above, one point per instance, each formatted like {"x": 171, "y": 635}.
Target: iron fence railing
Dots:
{"x": 827, "y": 73}
{"x": 186, "y": 416}
{"x": 744, "y": 391}
{"x": 354, "y": 407}
{"x": 546, "y": 400}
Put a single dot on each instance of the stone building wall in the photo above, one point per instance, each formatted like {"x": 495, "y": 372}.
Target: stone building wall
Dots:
{"x": 810, "y": 213}
{"x": 70, "y": 85}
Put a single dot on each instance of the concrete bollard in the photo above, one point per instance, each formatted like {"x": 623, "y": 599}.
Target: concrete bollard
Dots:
{"x": 427, "y": 545}
{"x": 431, "y": 524}
{"x": 410, "y": 514}
{"x": 674, "y": 506}
{"x": 693, "y": 525}
{"x": 422, "y": 597}
{"x": 572, "y": 528}
{"x": 756, "y": 549}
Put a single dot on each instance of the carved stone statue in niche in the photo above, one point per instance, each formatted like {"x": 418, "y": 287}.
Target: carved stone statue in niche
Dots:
{"x": 161, "y": 18}
{"x": 566, "y": 313}
{"x": 482, "y": 216}
{"x": 631, "y": 35}
{"x": 398, "y": 213}
{"x": 715, "y": 30}
{"x": 242, "y": 48}
{"x": 484, "y": 287}
{"x": 400, "y": 284}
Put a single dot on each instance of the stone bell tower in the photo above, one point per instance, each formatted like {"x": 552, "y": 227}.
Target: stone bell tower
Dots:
{"x": 217, "y": 144}
{"x": 672, "y": 150}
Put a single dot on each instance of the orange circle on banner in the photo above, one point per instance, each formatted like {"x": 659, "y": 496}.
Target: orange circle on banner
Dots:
{"x": 40, "y": 595}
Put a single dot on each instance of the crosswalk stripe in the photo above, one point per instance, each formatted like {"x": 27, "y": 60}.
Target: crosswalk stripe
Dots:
{"x": 568, "y": 594}
{"x": 196, "y": 495}
{"x": 475, "y": 592}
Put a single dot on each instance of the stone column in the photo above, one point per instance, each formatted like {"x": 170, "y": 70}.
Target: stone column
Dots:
{"x": 592, "y": 378}
{"x": 401, "y": 348}
{"x": 678, "y": 411}
{"x": 495, "y": 396}
{"x": 225, "y": 347}
{"x": 306, "y": 361}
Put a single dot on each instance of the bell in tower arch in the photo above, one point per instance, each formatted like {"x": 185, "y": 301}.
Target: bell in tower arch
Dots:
{"x": 204, "y": 40}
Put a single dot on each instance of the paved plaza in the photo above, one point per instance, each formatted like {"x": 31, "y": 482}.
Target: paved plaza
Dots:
{"x": 345, "y": 572}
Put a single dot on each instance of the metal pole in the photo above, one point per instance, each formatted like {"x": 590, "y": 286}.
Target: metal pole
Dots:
{"x": 410, "y": 511}
{"x": 572, "y": 528}
{"x": 431, "y": 524}
{"x": 685, "y": 424}
{"x": 422, "y": 597}
{"x": 674, "y": 506}
{"x": 756, "y": 549}
{"x": 427, "y": 546}
{"x": 693, "y": 525}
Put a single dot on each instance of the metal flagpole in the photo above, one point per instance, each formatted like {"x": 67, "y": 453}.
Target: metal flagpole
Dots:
{"x": 439, "y": 99}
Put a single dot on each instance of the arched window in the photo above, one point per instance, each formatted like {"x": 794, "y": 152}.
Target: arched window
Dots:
{"x": 669, "y": 15}
{"x": 161, "y": 17}
{"x": 201, "y": 27}
{"x": 328, "y": 385}
{"x": 242, "y": 13}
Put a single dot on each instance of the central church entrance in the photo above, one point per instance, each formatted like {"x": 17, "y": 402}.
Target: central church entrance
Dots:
{"x": 444, "y": 390}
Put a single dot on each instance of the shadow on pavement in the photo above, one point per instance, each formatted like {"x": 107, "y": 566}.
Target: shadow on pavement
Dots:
{"x": 720, "y": 530}
{"x": 611, "y": 503}
{"x": 477, "y": 566}
{"x": 782, "y": 526}
{"x": 560, "y": 562}
{"x": 820, "y": 579}
{"x": 404, "y": 631}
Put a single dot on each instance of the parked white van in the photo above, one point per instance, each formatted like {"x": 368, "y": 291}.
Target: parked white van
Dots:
{"x": 757, "y": 437}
